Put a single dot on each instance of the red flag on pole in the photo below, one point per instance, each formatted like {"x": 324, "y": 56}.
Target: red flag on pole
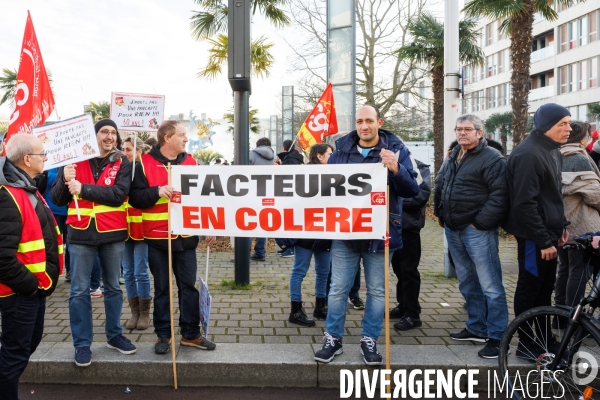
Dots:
{"x": 34, "y": 101}
{"x": 321, "y": 122}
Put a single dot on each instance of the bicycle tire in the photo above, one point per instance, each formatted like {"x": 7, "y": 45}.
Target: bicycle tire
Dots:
{"x": 527, "y": 348}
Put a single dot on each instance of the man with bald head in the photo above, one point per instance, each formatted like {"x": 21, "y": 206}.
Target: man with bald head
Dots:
{"x": 30, "y": 258}
{"x": 367, "y": 144}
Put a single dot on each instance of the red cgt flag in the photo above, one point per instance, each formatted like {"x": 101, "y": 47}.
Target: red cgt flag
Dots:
{"x": 321, "y": 122}
{"x": 34, "y": 101}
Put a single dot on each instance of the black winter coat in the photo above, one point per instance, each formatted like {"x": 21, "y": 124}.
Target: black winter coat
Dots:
{"x": 112, "y": 196}
{"x": 413, "y": 208}
{"x": 535, "y": 189}
{"x": 143, "y": 196}
{"x": 291, "y": 157}
{"x": 473, "y": 191}
{"x": 12, "y": 272}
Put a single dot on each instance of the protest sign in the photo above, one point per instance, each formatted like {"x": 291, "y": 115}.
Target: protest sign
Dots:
{"x": 311, "y": 201}
{"x": 137, "y": 112}
{"x": 205, "y": 300}
{"x": 69, "y": 141}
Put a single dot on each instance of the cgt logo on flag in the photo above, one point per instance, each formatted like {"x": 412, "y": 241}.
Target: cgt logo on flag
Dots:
{"x": 321, "y": 122}
{"x": 378, "y": 198}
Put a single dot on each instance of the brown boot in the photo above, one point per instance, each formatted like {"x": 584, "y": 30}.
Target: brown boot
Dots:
{"x": 135, "y": 313}
{"x": 144, "y": 320}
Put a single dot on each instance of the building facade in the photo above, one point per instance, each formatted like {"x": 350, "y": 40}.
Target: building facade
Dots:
{"x": 565, "y": 62}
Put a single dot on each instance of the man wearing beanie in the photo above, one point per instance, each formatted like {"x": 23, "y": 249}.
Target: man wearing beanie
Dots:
{"x": 536, "y": 215}
{"x": 101, "y": 185}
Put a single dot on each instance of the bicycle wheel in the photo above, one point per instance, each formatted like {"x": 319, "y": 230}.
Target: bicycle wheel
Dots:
{"x": 528, "y": 349}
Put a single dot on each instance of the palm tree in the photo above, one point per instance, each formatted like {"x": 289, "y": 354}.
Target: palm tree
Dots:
{"x": 594, "y": 111}
{"x": 210, "y": 24}
{"x": 518, "y": 18}
{"x": 254, "y": 121}
{"x": 501, "y": 121}
{"x": 99, "y": 110}
{"x": 8, "y": 84}
{"x": 428, "y": 48}
{"x": 205, "y": 156}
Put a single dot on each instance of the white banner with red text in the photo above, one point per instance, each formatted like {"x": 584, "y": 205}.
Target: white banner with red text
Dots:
{"x": 137, "y": 112}
{"x": 344, "y": 201}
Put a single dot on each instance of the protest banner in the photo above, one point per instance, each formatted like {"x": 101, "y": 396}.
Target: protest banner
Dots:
{"x": 69, "y": 141}
{"x": 137, "y": 112}
{"x": 33, "y": 99}
{"x": 311, "y": 201}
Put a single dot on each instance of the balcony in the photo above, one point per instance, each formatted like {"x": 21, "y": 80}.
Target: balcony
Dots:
{"x": 541, "y": 93}
{"x": 541, "y": 54}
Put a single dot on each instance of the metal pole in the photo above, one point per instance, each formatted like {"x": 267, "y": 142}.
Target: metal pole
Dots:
{"x": 451, "y": 92}
{"x": 241, "y": 129}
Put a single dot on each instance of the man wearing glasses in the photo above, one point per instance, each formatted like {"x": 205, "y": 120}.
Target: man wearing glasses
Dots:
{"x": 30, "y": 258}
{"x": 101, "y": 185}
{"x": 473, "y": 201}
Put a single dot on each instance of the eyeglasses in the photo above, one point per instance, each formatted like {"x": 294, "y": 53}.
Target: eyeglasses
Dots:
{"x": 44, "y": 154}
{"x": 466, "y": 130}
{"x": 108, "y": 133}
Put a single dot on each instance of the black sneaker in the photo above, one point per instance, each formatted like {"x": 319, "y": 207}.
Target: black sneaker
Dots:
{"x": 466, "y": 335}
{"x": 287, "y": 253}
{"x": 368, "y": 348}
{"x": 396, "y": 313}
{"x": 122, "y": 344}
{"x": 257, "y": 258}
{"x": 331, "y": 348}
{"x": 491, "y": 349}
{"x": 68, "y": 277}
{"x": 162, "y": 346}
{"x": 83, "y": 356}
{"x": 357, "y": 303}
{"x": 407, "y": 323}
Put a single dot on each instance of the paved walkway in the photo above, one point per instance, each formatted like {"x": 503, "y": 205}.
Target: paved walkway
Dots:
{"x": 259, "y": 315}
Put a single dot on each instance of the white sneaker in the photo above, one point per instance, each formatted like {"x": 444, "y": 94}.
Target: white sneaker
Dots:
{"x": 95, "y": 293}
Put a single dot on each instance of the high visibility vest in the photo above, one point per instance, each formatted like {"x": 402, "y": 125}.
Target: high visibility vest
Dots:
{"x": 108, "y": 219}
{"x": 135, "y": 229}
{"x": 156, "y": 218}
{"x": 31, "y": 251}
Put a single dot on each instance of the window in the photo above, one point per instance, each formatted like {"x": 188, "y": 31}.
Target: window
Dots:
{"x": 501, "y": 61}
{"x": 593, "y": 73}
{"x": 564, "y": 37}
{"x": 564, "y": 79}
{"x": 582, "y": 75}
{"x": 489, "y": 33}
{"x": 593, "y": 23}
{"x": 571, "y": 78}
{"x": 572, "y": 34}
{"x": 582, "y": 31}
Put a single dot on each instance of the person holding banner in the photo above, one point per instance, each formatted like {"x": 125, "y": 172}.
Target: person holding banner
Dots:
{"x": 151, "y": 192}
{"x": 367, "y": 144}
{"x": 101, "y": 185}
{"x": 30, "y": 258}
{"x": 135, "y": 258}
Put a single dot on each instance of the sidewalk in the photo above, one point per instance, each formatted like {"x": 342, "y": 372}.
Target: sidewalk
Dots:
{"x": 254, "y": 339}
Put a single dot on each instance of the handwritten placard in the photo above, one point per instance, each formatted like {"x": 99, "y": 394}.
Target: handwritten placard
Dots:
{"x": 137, "y": 112}
{"x": 69, "y": 141}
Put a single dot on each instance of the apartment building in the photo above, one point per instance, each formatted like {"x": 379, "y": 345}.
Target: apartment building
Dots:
{"x": 565, "y": 64}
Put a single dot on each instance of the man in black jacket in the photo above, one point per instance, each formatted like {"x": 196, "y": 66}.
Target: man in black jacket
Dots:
{"x": 24, "y": 287}
{"x": 289, "y": 155}
{"x": 405, "y": 261}
{"x": 536, "y": 206}
{"x": 473, "y": 201}
{"x": 101, "y": 185}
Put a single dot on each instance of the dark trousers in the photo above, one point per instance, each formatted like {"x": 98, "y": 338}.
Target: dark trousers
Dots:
{"x": 184, "y": 269}
{"x": 536, "y": 277}
{"x": 405, "y": 263}
{"x": 22, "y": 330}
{"x": 573, "y": 274}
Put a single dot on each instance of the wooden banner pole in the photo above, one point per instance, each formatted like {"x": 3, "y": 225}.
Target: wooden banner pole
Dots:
{"x": 173, "y": 354}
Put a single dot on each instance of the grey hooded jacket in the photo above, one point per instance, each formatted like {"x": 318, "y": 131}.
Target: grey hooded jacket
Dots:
{"x": 262, "y": 155}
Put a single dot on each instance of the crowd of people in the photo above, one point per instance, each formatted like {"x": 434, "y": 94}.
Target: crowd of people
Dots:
{"x": 547, "y": 189}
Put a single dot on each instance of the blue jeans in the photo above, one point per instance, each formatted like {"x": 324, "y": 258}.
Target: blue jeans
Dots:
{"x": 302, "y": 258}
{"x": 96, "y": 276}
{"x": 355, "y": 286}
{"x": 345, "y": 263}
{"x": 184, "y": 269}
{"x": 22, "y": 331}
{"x": 135, "y": 269}
{"x": 479, "y": 273}
{"x": 80, "y": 302}
{"x": 259, "y": 247}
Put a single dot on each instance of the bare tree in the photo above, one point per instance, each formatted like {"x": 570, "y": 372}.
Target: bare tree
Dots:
{"x": 381, "y": 29}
